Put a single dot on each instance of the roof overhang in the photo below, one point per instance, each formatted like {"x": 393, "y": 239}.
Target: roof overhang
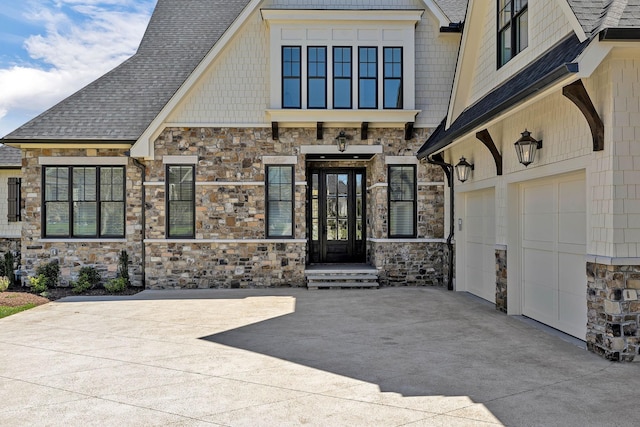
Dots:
{"x": 620, "y": 34}
{"x": 67, "y": 143}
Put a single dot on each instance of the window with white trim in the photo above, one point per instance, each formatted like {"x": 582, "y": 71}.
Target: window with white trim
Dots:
{"x": 513, "y": 29}
{"x": 280, "y": 201}
{"x": 181, "y": 208}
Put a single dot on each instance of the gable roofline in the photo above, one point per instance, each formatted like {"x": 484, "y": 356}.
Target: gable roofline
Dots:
{"x": 553, "y": 66}
{"x": 458, "y": 69}
{"x": 576, "y": 26}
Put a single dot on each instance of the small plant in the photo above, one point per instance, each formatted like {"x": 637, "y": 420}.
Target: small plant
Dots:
{"x": 51, "y": 272}
{"x": 88, "y": 279}
{"x": 9, "y": 264}
{"x": 38, "y": 283}
{"x": 2, "y": 267}
{"x": 123, "y": 266}
{"x": 116, "y": 285}
{"x": 4, "y": 283}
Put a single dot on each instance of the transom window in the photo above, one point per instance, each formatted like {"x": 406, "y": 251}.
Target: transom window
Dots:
{"x": 180, "y": 201}
{"x": 513, "y": 29}
{"x": 402, "y": 201}
{"x": 85, "y": 202}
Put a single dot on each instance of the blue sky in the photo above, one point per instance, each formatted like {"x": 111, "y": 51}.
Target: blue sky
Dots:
{"x": 51, "y": 48}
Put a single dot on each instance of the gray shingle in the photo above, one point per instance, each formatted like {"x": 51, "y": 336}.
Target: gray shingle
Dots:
{"x": 596, "y": 15}
{"x": 120, "y": 105}
{"x": 10, "y": 157}
{"x": 454, "y": 9}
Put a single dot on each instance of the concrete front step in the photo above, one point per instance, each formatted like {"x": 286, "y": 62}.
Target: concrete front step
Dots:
{"x": 341, "y": 276}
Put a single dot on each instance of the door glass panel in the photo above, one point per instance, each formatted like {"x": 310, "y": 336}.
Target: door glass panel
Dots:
{"x": 315, "y": 208}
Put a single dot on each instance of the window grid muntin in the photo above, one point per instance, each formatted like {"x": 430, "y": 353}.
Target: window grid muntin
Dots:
{"x": 404, "y": 194}
{"x": 180, "y": 197}
{"x": 342, "y": 72}
{"x": 367, "y": 75}
{"x": 392, "y": 73}
{"x": 316, "y": 73}
{"x": 292, "y": 74}
{"x": 280, "y": 193}
{"x": 511, "y": 16}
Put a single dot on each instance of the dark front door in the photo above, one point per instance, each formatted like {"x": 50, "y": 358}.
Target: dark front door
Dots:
{"x": 337, "y": 215}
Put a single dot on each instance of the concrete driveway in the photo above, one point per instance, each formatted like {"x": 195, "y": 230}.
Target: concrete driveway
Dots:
{"x": 389, "y": 357}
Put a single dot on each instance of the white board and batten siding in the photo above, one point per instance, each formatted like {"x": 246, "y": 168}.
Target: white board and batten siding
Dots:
{"x": 553, "y": 231}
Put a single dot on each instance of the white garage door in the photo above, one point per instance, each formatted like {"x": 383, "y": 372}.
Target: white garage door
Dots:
{"x": 480, "y": 263}
{"x": 553, "y": 230}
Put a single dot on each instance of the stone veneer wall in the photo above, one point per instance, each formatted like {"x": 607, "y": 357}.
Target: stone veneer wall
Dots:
{"x": 613, "y": 311}
{"x": 408, "y": 264}
{"x": 501, "y": 280}
{"x": 75, "y": 253}
{"x": 9, "y": 245}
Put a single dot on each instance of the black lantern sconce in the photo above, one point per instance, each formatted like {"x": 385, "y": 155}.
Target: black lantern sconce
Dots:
{"x": 526, "y": 148}
{"x": 342, "y": 141}
{"x": 463, "y": 169}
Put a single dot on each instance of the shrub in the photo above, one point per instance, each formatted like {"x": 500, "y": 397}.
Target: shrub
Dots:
{"x": 51, "y": 272}
{"x": 87, "y": 279}
{"x": 9, "y": 265}
{"x": 38, "y": 283}
{"x": 123, "y": 266}
{"x": 4, "y": 283}
{"x": 116, "y": 285}
{"x": 2, "y": 268}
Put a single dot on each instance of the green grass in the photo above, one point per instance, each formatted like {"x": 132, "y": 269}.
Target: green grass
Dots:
{"x": 8, "y": 311}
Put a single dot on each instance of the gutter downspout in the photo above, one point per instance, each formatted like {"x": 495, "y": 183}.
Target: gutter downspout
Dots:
{"x": 143, "y": 171}
{"x": 448, "y": 171}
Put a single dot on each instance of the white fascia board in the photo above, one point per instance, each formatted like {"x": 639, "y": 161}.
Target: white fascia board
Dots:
{"x": 306, "y": 15}
{"x": 443, "y": 20}
{"x": 143, "y": 146}
{"x": 398, "y": 117}
{"x": 573, "y": 20}
{"x": 592, "y": 57}
{"x": 331, "y": 149}
{"x": 458, "y": 71}
{"x": 77, "y": 160}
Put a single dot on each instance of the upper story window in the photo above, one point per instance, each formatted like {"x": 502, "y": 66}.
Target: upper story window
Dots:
{"x": 317, "y": 76}
{"x": 84, "y": 201}
{"x": 368, "y": 77}
{"x": 513, "y": 29}
{"x": 291, "y": 77}
{"x": 392, "y": 77}
{"x": 342, "y": 77}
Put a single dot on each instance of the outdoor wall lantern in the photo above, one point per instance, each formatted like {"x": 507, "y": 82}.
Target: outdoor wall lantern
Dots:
{"x": 463, "y": 169}
{"x": 342, "y": 141}
{"x": 526, "y": 148}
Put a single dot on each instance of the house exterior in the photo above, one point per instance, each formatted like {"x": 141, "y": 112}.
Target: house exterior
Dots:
{"x": 557, "y": 239}
{"x": 10, "y": 211}
{"x": 248, "y": 140}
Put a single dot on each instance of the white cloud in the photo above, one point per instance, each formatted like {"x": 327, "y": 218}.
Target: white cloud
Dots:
{"x": 74, "y": 50}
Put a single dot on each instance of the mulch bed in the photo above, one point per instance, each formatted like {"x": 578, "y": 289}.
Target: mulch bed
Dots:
{"x": 17, "y": 296}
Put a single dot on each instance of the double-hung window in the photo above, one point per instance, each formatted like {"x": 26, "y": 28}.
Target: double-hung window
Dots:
{"x": 402, "y": 201}
{"x": 368, "y": 77}
{"x": 317, "y": 76}
{"x": 513, "y": 29}
{"x": 291, "y": 77}
{"x": 84, "y": 201}
{"x": 393, "y": 77}
{"x": 180, "y": 201}
{"x": 280, "y": 201}
{"x": 342, "y": 77}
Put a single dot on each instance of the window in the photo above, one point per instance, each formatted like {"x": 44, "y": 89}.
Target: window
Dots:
{"x": 513, "y": 29}
{"x": 393, "y": 77}
{"x": 402, "y": 201}
{"x": 317, "y": 77}
{"x": 368, "y": 77}
{"x": 180, "y": 201}
{"x": 342, "y": 77}
{"x": 280, "y": 199}
{"x": 291, "y": 75}
{"x": 84, "y": 201}
{"x": 13, "y": 201}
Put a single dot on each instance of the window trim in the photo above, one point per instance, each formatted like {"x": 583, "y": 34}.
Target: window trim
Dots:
{"x": 309, "y": 77}
{"x": 14, "y": 199}
{"x": 334, "y": 78}
{"x": 385, "y": 78}
{"x": 293, "y": 200}
{"x": 284, "y": 78}
{"x": 167, "y": 233}
{"x": 513, "y": 33}
{"x": 413, "y": 235}
{"x": 70, "y": 202}
{"x": 360, "y": 78}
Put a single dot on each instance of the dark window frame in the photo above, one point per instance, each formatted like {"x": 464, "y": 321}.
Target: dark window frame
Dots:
{"x": 70, "y": 201}
{"x": 291, "y": 77}
{"x": 414, "y": 202}
{"x": 512, "y": 27}
{"x": 360, "y": 78}
{"x": 14, "y": 198}
{"x": 293, "y": 202}
{"x": 310, "y": 77}
{"x": 168, "y": 201}
{"x": 385, "y": 78}
{"x": 350, "y": 78}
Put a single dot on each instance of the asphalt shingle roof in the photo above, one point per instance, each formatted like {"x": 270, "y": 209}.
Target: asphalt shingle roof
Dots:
{"x": 596, "y": 15}
{"x": 10, "y": 157}
{"x": 454, "y": 9}
{"x": 120, "y": 105}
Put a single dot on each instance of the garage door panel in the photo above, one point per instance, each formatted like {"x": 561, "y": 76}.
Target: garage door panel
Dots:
{"x": 571, "y": 228}
{"x": 573, "y": 316}
{"x": 536, "y": 199}
{"x": 536, "y": 258}
{"x": 572, "y": 196}
{"x": 571, "y": 276}
{"x": 480, "y": 244}
{"x": 539, "y": 227}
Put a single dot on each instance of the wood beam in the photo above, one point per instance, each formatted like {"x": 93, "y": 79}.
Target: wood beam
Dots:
{"x": 408, "y": 131}
{"x": 577, "y": 94}
{"x": 485, "y": 137}
{"x": 364, "y": 130}
{"x": 275, "y": 135}
{"x": 319, "y": 130}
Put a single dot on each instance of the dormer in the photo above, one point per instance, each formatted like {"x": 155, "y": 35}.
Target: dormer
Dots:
{"x": 342, "y": 66}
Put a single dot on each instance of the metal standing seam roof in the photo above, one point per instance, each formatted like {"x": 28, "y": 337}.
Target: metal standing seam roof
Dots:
{"x": 10, "y": 157}
{"x": 593, "y": 15}
{"x": 120, "y": 105}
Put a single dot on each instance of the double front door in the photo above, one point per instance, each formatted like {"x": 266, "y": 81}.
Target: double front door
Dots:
{"x": 336, "y": 218}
